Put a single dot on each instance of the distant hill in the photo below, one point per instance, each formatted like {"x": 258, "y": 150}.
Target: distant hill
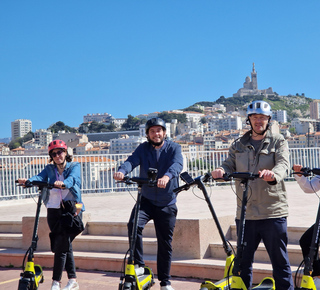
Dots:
{"x": 296, "y": 106}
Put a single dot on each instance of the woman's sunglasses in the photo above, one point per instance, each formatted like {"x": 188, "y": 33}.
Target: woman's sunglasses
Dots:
{"x": 58, "y": 153}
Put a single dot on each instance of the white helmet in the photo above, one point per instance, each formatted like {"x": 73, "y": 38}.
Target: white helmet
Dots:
{"x": 259, "y": 107}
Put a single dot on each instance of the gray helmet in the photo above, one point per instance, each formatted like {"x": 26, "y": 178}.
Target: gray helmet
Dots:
{"x": 155, "y": 122}
{"x": 259, "y": 107}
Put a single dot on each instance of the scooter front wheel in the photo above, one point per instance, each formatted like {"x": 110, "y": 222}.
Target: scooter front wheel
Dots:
{"x": 128, "y": 286}
{"x": 24, "y": 284}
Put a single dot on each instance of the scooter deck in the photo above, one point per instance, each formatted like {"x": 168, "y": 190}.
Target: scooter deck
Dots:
{"x": 221, "y": 284}
{"x": 266, "y": 284}
{"x": 146, "y": 280}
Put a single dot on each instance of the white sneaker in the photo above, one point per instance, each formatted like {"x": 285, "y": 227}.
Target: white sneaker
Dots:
{"x": 72, "y": 285}
{"x": 316, "y": 281}
{"x": 167, "y": 287}
{"x": 139, "y": 270}
{"x": 55, "y": 285}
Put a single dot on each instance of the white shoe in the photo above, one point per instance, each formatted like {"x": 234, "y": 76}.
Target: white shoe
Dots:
{"x": 72, "y": 285}
{"x": 316, "y": 281}
{"x": 55, "y": 285}
{"x": 139, "y": 270}
{"x": 167, "y": 287}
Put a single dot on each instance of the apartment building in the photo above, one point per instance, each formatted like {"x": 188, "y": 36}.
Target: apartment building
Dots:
{"x": 280, "y": 116}
{"x": 304, "y": 125}
{"x": 125, "y": 144}
{"x": 43, "y": 137}
{"x": 20, "y": 127}
{"x": 224, "y": 122}
{"x": 315, "y": 109}
{"x": 100, "y": 118}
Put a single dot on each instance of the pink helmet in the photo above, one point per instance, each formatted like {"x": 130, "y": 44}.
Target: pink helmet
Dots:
{"x": 57, "y": 144}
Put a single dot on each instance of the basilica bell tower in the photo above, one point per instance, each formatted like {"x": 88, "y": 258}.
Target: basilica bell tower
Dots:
{"x": 254, "y": 80}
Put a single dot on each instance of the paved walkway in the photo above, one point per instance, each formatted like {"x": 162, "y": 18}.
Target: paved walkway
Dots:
{"x": 191, "y": 205}
{"x": 88, "y": 281}
{"x": 117, "y": 207}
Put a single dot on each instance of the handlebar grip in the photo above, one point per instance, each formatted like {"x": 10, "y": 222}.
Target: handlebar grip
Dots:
{"x": 181, "y": 188}
{"x": 207, "y": 177}
{"x": 316, "y": 171}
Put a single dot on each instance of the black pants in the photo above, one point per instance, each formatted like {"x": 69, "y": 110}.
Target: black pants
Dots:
{"x": 273, "y": 233}
{"x": 305, "y": 243}
{"x": 164, "y": 219}
{"x": 62, "y": 260}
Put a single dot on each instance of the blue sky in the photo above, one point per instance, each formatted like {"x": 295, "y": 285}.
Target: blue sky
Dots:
{"x": 60, "y": 60}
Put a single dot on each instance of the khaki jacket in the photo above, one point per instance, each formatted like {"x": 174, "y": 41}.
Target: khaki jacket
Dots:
{"x": 265, "y": 199}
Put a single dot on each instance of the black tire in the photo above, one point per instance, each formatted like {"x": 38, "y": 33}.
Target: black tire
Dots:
{"x": 24, "y": 284}
{"x": 127, "y": 286}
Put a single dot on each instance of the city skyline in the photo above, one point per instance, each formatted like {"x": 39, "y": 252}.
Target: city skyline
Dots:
{"x": 62, "y": 60}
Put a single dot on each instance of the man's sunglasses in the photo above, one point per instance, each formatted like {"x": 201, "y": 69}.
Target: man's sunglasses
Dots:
{"x": 58, "y": 153}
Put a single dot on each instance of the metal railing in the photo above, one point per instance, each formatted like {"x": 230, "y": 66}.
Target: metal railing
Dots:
{"x": 97, "y": 170}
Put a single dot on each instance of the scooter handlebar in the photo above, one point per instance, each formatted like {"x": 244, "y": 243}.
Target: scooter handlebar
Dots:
{"x": 307, "y": 171}
{"x": 240, "y": 175}
{"x": 139, "y": 180}
{"x": 40, "y": 184}
{"x": 203, "y": 178}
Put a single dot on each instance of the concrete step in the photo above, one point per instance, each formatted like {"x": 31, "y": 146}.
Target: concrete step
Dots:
{"x": 103, "y": 247}
{"x": 261, "y": 255}
{"x": 116, "y": 244}
{"x": 207, "y": 269}
{"x": 116, "y": 229}
{"x": 10, "y": 240}
{"x": 294, "y": 234}
{"x": 10, "y": 226}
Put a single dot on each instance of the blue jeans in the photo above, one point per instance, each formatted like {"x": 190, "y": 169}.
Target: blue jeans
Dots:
{"x": 164, "y": 219}
{"x": 273, "y": 233}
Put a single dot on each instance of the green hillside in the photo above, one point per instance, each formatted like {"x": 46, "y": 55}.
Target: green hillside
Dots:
{"x": 296, "y": 106}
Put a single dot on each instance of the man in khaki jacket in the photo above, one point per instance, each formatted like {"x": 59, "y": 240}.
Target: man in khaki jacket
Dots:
{"x": 261, "y": 152}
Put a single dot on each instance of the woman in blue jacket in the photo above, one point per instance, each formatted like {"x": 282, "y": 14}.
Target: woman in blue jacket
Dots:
{"x": 65, "y": 175}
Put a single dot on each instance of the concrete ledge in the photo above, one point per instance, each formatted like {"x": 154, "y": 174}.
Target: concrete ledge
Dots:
{"x": 192, "y": 237}
{"x": 43, "y": 231}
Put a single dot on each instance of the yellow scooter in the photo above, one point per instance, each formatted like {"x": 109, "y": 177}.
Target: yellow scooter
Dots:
{"x": 307, "y": 280}
{"x": 199, "y": 181}
{"x": 237, "y": 283}
{"x": 131, "y": 280}
{"x": 32, "y": 274}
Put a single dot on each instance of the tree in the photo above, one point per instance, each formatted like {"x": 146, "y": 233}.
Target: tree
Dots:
{"x": 60, "y": 126}
{"x": 203, "y": 120}
{"x": 96, "y": 127}
{"x": 19, "y": 141}
{"x": 168, "y": 117}
{"x": 193, "y": 109}
{"x": 132, "y": 123}
{"x": 292, "y": 130}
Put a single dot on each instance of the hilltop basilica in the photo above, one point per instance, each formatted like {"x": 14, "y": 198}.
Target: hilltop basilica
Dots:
{"x": 250, "y": 87}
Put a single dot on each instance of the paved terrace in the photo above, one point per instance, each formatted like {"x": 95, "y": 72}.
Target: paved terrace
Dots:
{"x": 117, "y": 206}
{"x": 191, "y": 205}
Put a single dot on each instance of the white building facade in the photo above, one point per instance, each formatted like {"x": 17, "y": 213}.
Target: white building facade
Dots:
{"x": 20, "y": 127}
{"x": 43, "y": 137}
